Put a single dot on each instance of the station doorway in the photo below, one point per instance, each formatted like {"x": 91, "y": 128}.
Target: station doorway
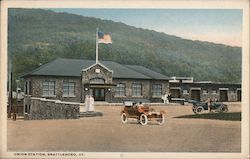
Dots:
{"x": 223, "y": 95}
{"x": 238, "y": 95}
{"x": 175, "y": 93}
{"x": 99, "y": 94}
{"x": 195, "y": 95}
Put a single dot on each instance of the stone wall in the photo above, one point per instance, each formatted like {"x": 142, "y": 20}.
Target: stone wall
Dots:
{"x": 80, "y": 92}
{"x": 165, "y": 89}
{"x": 41, "y": 109}
{"x": 208, "y": 90}
{"x": 146, "y": 90}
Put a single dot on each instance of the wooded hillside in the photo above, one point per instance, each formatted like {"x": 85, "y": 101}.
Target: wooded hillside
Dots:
{"x": 37, "y": 36}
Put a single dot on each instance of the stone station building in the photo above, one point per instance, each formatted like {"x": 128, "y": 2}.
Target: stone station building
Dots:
{"x": 72, "y": 79}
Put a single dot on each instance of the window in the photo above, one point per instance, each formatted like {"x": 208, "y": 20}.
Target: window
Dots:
{"x": 49, "y": 88}
{"x": 97, "y": 70}
{"x": 120, "y": 90}
{"x": 97, "y": 80}
{"x": 28, "y": 87}
{"x": 157, "y": 90}
{"x": 136, "y": 89}
{"x": 68, "y": 89}
{"x": 185, "y": 91}
{"x": 205, "y": 91}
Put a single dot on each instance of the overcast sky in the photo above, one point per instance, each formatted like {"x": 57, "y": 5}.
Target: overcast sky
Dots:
{"x": 214, "y": 25}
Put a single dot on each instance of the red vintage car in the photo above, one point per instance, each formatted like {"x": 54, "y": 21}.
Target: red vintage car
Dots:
{"x": 143, "y": 114}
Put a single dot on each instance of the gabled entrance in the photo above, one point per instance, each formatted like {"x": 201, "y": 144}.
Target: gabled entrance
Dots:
{"x": 97, "y": 81}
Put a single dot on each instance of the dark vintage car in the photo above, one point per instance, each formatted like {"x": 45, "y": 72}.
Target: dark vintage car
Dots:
{"x": 200, "y": 107}
{"x": 143, "y": 114}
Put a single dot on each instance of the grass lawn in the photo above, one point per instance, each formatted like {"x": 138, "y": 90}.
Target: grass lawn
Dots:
{"x": 235, "y": 116}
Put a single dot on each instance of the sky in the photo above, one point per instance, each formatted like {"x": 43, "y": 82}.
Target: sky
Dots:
{"x": 214, "y": 25}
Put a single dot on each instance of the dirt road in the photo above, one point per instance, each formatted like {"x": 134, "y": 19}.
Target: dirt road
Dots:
{"x": 108, "y": 134}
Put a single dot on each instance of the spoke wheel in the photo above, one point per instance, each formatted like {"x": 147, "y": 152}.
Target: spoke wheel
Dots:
{"x": 199, "y": 110}
{"x": 143, "y": 119}
{"x": 124, "y": 118}
{"x": 161, "y": 120}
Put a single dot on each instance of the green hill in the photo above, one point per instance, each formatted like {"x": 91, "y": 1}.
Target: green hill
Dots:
{"x": 37, "y": 36}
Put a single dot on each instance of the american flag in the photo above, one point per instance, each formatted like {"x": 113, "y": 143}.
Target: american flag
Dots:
{"x": 104, "y": 38}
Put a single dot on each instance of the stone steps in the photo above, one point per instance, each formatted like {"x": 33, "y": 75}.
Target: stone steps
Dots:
{"x": 90, "y": 114}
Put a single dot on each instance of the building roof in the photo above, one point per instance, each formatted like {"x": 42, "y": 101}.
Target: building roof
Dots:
{"x": 150, "y": 73}
{"x": 74, "y": 67}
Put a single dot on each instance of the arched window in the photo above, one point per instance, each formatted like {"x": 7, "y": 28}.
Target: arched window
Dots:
{"x": 97, "y": 80}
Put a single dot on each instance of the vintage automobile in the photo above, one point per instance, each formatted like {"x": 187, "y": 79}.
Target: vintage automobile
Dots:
{"x": 200, "y": 107}
{"x": 142, "y": 114}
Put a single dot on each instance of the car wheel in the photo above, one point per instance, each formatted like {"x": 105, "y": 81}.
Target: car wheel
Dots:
{"x": 143, "y": 119}
{"x": 199, "y": 110}
{"x": 161, "y": 120}
{"x": 124, "y": 118}
{"x": 223, "y": 109}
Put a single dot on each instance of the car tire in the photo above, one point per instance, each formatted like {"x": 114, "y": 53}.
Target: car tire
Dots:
{"x": 199, "y": 110}
{"x": 124, "y": 118}
{"x": 143, "y": 119}
{"x": 161, "y": 120}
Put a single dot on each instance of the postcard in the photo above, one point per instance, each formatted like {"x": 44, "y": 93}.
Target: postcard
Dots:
{"x": 124, "y": 79}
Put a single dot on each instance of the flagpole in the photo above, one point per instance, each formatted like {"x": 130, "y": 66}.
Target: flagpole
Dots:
{"x": 10, "y": 88}
{"x": 96, "y": 51}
